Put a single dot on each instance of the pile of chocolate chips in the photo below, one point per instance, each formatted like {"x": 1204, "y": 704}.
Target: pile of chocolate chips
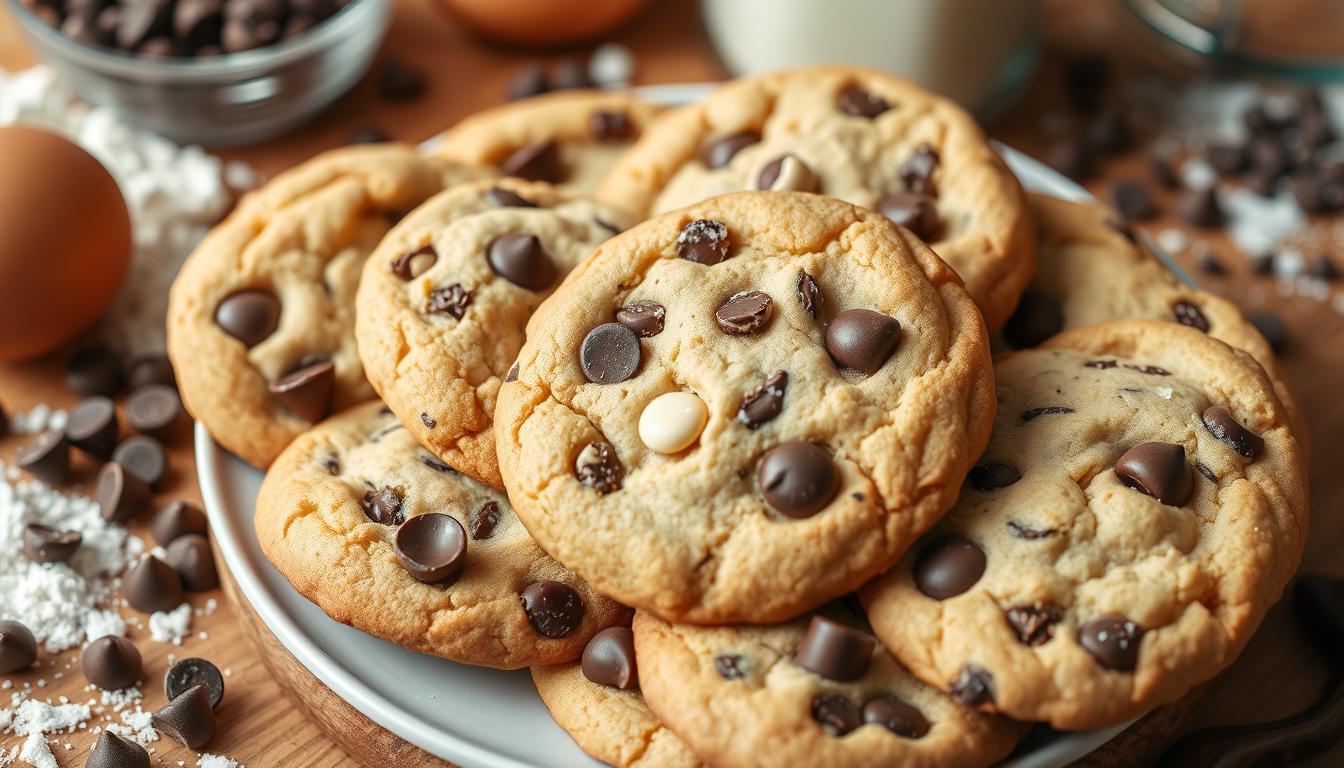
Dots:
{"x": 157, "y": 29}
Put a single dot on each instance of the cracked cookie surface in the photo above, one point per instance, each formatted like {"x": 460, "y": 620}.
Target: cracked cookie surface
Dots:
{"x": 1141, "y": 504}
{"x": 739, "y": 696}
{"x": 445, "y": 299}
{"x": 261, "y": 317}
{"x": 738, "y": 411}
{"x": 860, "y": 135}
{"x": 343, "y": 515}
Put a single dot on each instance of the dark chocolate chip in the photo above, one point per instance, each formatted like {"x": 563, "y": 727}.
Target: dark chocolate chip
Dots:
{"x": 745, "y": 313}
{"x": 916, "y": 171}
{"x": 332, "y": 465}
{"x": 188, "y": 719}
{"x": 1132, "y": 201}
{"x": 610, "y": 125}
{"x": 1049, "y": 410}
{"x": 1206, "y": 472}
{"x": 175, "y": 519}
{"x": 113, "y": 751}
{"x": 528, "y": 82}
{"x": 18, "y": 647}
{"x": 721, "y": 152}
{"x": 92, "y": 427}
{"x": 1220, "y": 423}
{"x": 1113, "y": 641}
{"x": 427, "y": 420}
{"x": 250, "y": 316}
{"x": 46, "y": 457}
{"x": 436, "y": 465}
{"x": 507, "y": 198}
{"x": 764, "y": 403}
{"x": 1037, "y": 318}
{"x": 452, "y": 300}
{"x": 609, "y": 659}
{"x": 93, "y": 371}
{"x": 160, "y": 48}
{"x": 483, "y": 520}
{"x": 862, "y": 340}
{"x": 197, "y": 22}
{"x": 835, "y": 713}
{"x": 1200, "y": 208}
{"x": 992, "y": 475}
{"x": 520, "y": 258}
{"x": 398, "y": 81}
{"x": 798, "y": 479}
{"x": 1071, "y": 157}
{"x": 787, "y": 173}
{"x": 1187, "y": 313}
{"x": 44, "y": 544}
{"x": 809, "y": 293}
{"x": 612, "y": 228}
{"x": 896, "y": 716}
{"x": 1028, "y": 533}
{"x": 154, "y": 410}
{"x": 1158, "y": 470}
{"x": 1271, "y": 326}
{"x": 535, "y": 162}
{"x": 152, "y": 585}
{"x": 834, "y": 651}
{"x": 143, "y": 457}
{"x": 553, "y": 609}
{"x": 916, "y": 213}
{"x": 730, "y": 666}
{"x": 1227, "y": 158}
{"x": 120, "y": 494}
{"x": 413, "y": 264}
{"x": 645, "y": 318}
{"x": 703, "y": 241}
{"x": 191, "y": 557}
{"x": 111, "y": 663}
{"x": 610, "y": 354}
{"x": 141, "y": 20}
{"x": 1086, "y": 81}
{"x": 186, "y": 674}
{"x": 432, "y": 548}
{"x": 598, "y": 468}
{"x": 855, "y": 101}
{"x": 383, "y": 506}
{"x": 308, "y": 391}
{"x": 973, "y": 687}
{"x": 948, "y": 566}
{"x": 1034, "y": 624}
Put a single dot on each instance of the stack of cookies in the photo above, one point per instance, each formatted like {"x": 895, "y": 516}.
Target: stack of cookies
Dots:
{"x": 696, "y": 415}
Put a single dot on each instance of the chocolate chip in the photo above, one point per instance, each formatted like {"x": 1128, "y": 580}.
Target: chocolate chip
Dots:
{"x": 1269, "y": 159}
{"x": 436, "y": 465}
{"x": 973, "y": 687}
{"x": 1113, "y": 641}
{"x": 44, "y": 544}
{"x": 520, "y": 258}
{"x": 143, "y": 458}
{"x": 383, "y": 506}
{"x": 177, "y": 518}
{"x": 744, "y": 313}
{"x": 250, "y": 316}
{"x": 896, "y": 716}
{"x": 1022, "y": 531}
{"x": 186, "y": 674}
{"x": 1188, "y": 314}
{"x": 1200, "y": 208}
{"x": 703, "y": 241}
{"x": 612, "y": 228}
{"x": 111, "y": 663}
{"x": 948, "y": 566}
{"x": 730, "y": 666}
{"x": 992, "y": 475}
{"x": 483, "y": 520}
{"x": 154, "y": 410}
{"x": 835, "y": 713}
{"x": 240, "y": 34}
{"x": 432, "y": 548}
{"x": 764, "y": 403}
{"x": 18, "y": 647}
{"x": 1049, "y": 410}
{"x": 368, "y": 134}
{"x": 413, "y": 264}
{"x": 535, "y": 162}
{"x": 609, "y": 659}
{"x": 570, "y": 73}
{"x": 1206, "y": 472}
{"x": 308, "y": 391}
{"x": 1034, "y": 624}
{"x": 598, "y": 468}
{"x": 787, "y": 173}
{"x": 1227, "y": 158}
{"x": 93, "y": 371}
{"x": 1071, "y": 157}
{"x": 332, "y": 465}
{"x": 152, "y": 585}
{"x": 197, "y": 22}
{"x": 834, "y": 651}
{"x": 92, "y": 427}
{"x": 512, "y": 375}
{"x": 1132, "y": 200}
{"x": 609, "y": 125}
{"x": 397, "y": 81}
{"x": 645, "y": 318}
{"x": 120, "y": 494}
{"x": 1220, "y": 423}
{"x": 610, "y": 354}
{"x": 1086, "y": 79}
{"x": 1272, "y": 327}
{"x": 508, "y": 198}
{"x": 139, "y": 21}
{"x": 855, "y": 101}
{"x": 1158, "y": 470}
{"x": 916, "y": 213}
{"x": 452, "y": 300}
{"x": 1151, "y": 370}
{"x": 917, "y": 170}
{"x": 188, "y": 719}
{"x": 1209, "y": 263}
{"x": 553, "y": 609}
{"x": 1037, "y": 318}
{"x": 809, "y": 293}
{"x": 721, "y": 152}
{"x": 46, "y": 457}
{"x": 113, "y": 751}
{"x": 862, "y": 340}
{"x": 1324, "y": 268}
{"x": 528, "y": 82}
{"x": 191, "y": 557}
{"x": 798, "y": 479}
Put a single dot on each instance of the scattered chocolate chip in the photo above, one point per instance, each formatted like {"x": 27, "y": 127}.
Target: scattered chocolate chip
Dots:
{"x": 744, "y": 313}
{"x": 368, "y": 134}
{"x": 720, "y": 152}
{"x": 645, "y": 318}
{"x": 413, "y": 264}
{"x": 1071, "y": 157}
{"x": 703, "y": 241}
{"x": 512, "y": 375}
{"x": 46, "y": 457}
{"x": 520, "y": 258}
{"x": 186, "y": 674}
{"x": 197, "y": 22}
{"x": 250, "y": 316}
{"x": 398, "y": 81}
{"x": 1209, "y": 263}
{"x": 1086, "y": 80}
{"x": 332, "y": 465}
{"x": 609, "y": 659}
{"x": 862, "y": 340}
{"x": 764, "y": 403}
{"x": 1028, "y": 533}
{"x": 436, "y": 465}
{"x": 798, "y": 479}
{"x": 835, "y": 713}
{"x": 483, "y": 520}
{"x": 948, "y": 566}
{"x": 383, "y": 506}
{"x": 896, "y": 716}
{"x": 598, "y": 468}
{"x": 1158, "y": 470}
{"x": 139, "y": 21}
{"x": 1132, "y": 201}
{"x": 18, "y": 647}
{"x": 1227, "y": 158}
{"x": 1113, "y": 641}
{"x": 1037, "y": 318}
{"x": 308, "y": 391}
{"x": 120, "y": 494}
{"x": 432, "y": 548}
{"x": 535, "y": 162}
{"x": 809, "y": 293}
{"x": 154, "y": 410}
{"x": 143, "y": 457}
{"x": 730, "y": 666}
{"x": 111, "y": 663}
{"x": 191, "y": 557}
{"x": 44, "y": 544}
{"x": 1206, "y": 472}
{"x": 507, "y": 198}
{"x": 1272, "y": 327}
{"x": 610, "y": 125}
{"x": 530, "y": 81}
{"x": 553, "y": 609}
{"x": 855, "y": 101}
{"x": 1109, "y": 131}
{"x": 1200, "y": 208}
{"x": 1220, "y": 423}
{"x": 1034, "y": 624}
{"x": 113, "y": 751}
{"x": 452, "y": 300}
{"x": 570, "y": 73}
{"x": 916, "y": 213}
{"x": 429, "y": 422}
{"x": 787, "y": 173}
{"x": 992, "y": 476}
{"x": 973, "y": 687}
{"x": 177, "y": 518}
{"x": 188, "y": 719}
{"x": 1268, "y": 158}
{"x": 1187, "y": 313}
{"x": 834, "y": 651}
{"x": 93, "y": 371}
{"x": 1049, "y": 410}
{"x": 152, "y": 585}
{"x": 92, "y": 426}
{"x": 610, "y": 354}
{"x": 916, "y": 171}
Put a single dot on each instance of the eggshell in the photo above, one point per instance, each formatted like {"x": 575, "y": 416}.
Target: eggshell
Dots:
{"x": 65, "y": 240}
{"x": 543, "y": 22}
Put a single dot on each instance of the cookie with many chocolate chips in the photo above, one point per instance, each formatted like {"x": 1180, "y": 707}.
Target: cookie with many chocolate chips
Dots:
{"x": 571, "y": 138}
{"x": 1091, "y": 268}
{"x": 1143, "y": 504}
{"x": 386, "y": 538}
{"x": 814, "y": 691}
{"x": 856, "y": 134}
{"x": 814, "y": 390}
{"x": 445, "y": 299}
{"x": 261, "y": 318}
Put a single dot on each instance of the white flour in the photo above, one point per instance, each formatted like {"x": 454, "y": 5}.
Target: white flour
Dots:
{"x": 217, "y": 761}
{"x": 36, "y": 753}
{"x": 171, "y": 626}
{"x": 39, "y": 418}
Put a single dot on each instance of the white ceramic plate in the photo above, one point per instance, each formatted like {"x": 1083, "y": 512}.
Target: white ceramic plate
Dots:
{"x": 479, "y": 718}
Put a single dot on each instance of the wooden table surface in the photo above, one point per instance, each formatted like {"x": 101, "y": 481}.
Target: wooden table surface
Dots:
{"x": 261, "y": 728}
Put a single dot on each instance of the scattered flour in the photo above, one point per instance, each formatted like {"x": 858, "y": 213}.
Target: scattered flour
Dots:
{"x": 103, "y": 623}
{"x": 217, "y": 761}
{"x": 30, "y": 716}
{"x": 39, "y": 418}
{"x": 36, "y": 753}
{"x": 171, "y": 626}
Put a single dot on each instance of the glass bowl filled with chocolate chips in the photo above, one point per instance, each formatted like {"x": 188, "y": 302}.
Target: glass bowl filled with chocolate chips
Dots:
{"x": 212, "y": 72}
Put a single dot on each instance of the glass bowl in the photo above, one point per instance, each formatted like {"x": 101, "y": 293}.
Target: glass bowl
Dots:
{"x": 239, "y": 98}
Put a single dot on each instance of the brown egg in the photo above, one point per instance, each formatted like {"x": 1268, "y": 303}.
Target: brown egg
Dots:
{"x": 65, "y": 240}
{"x": 543, "y": 22}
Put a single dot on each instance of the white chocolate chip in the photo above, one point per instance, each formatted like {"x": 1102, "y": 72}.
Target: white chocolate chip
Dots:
{"x": 794, "y": 176}
{"x": 672, "y": 422}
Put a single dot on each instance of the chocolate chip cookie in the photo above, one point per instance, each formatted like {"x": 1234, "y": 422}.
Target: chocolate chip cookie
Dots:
{"x": 261, "y": 317}
{"x": 814, "y": 691}
{"x": 860, "y": 135}
{"x": 740, "y": 410}
{"x": 571, "y": 138}
{"x": 445, "y": 299}
{"x": 597, "y": 701}
{"x": 1142, "y": 502}
{"x": 1091, "y": 267}
{"x": 386, "y": 538}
